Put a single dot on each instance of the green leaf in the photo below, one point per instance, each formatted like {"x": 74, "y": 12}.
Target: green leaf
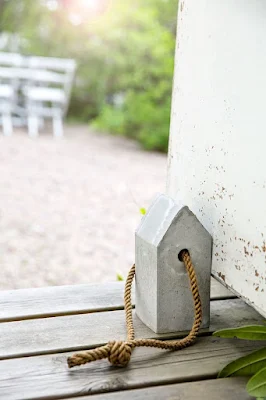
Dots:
{"x": 119, "y": 277}
{"x": 257, "y": 384}
{"x": 142, "y": 210}
{"x": 251, "y": 332}
{"x": 245, "y": 366}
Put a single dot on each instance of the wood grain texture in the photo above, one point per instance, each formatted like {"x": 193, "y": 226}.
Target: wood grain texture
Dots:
{"x": 66, "y": 300}
{"x": 48, "y": 376}
{"x": 215, "y": 389}
{"x": 219, "y": 291}
{"x": 75, "y": 332}
{"x": 60, "y": 300}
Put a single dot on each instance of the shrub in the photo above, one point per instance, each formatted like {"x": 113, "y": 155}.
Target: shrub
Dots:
{"x": 127, "y": 49}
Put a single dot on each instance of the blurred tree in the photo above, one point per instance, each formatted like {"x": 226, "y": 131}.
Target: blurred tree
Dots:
{"x": 124, "y": 51}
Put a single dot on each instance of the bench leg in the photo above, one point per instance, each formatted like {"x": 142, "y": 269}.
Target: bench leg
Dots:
{"x": 7, "y": 124}
{"x": 33, "y": 126}
{"x": 58, "y": 126}
{"x": 41, "y": 123}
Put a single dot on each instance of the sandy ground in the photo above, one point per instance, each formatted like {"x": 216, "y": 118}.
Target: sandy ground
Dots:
{"x": 69, "y": 207}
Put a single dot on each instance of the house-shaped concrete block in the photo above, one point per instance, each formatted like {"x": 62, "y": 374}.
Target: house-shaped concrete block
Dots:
{"x": 163, "y": 297}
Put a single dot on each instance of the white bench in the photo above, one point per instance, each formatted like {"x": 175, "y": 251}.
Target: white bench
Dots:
{"x": 48, "y": 91}
{"x": 8, "y": 85}
{"x": 40, "y": 88}
{"x": 6, "y": 107}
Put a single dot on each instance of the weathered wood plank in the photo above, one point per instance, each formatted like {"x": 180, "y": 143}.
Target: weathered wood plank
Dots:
{"x": 51, "y": 335}
{"x": 49, "y": 377}
{"x": 215, "y": 389}
{"x": 66, "y": 300}
{"x": 60, "y": 300}
{"x": 220, "y": 292}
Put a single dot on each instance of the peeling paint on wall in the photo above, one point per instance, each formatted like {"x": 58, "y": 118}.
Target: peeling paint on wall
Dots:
{"x": 217, "y": 145}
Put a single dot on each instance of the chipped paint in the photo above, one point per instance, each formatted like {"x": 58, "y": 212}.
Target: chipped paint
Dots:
{"x": 218, "y": 165}
{"x": 221, "y": 276}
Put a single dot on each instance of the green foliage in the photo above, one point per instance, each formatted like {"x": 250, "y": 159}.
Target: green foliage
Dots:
{"x": 126, "y": 50}
{"x": 146, "y": 72}
{"x": 111, "y": 119}
{"x": 119, "y": 277}
{"x": 142, "y": 210}
{"x": 245, "y": 366}
{"x": 257, "y": 384}
{"x": 253, "y": 364}
{"x": 250, "y": 332}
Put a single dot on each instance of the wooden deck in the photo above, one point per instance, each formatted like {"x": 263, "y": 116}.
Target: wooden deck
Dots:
{"x": 40, "y": 328}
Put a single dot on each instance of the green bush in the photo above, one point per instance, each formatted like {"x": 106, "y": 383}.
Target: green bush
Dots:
{"x": 148, "y": 121}
{"x": 127, "y": 50}
{"x": 110, "y": 119}
{"x": 145, "y": 78}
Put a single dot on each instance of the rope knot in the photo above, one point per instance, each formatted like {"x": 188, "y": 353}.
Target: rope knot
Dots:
{"x": 120, "y": 353}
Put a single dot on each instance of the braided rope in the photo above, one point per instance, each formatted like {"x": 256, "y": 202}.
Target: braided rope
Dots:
{"x": 119, "y": 352}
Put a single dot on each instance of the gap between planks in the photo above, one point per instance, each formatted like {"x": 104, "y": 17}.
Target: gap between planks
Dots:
{"x": 78, "y": 332}
{"x": 22, "y": 304}
{"x": 48, "y": 376}
{"x": 215, "y": 389}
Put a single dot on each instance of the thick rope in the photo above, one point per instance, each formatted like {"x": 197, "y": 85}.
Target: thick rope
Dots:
{"x": 119, "y": 352}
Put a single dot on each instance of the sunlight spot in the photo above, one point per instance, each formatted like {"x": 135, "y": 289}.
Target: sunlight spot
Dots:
{"x": 52, "y": 5}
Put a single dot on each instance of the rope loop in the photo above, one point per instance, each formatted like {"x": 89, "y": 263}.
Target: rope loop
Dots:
{"x": 119, "y": 352}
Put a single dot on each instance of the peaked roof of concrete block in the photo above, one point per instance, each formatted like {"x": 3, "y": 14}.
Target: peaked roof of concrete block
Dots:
{"x": 158, "y": 219}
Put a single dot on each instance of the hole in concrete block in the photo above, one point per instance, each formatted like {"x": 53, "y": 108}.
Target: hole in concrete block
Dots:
{"x": 180, "y": 254}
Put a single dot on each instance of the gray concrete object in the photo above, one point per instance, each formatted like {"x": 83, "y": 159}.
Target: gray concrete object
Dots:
{"x": 163, "y": 297}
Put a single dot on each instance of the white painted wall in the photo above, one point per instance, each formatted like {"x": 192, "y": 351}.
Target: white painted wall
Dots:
{"x": 217, "y": 154}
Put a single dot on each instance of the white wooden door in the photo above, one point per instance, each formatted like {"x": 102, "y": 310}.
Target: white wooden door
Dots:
{"x": 217, "y": 153}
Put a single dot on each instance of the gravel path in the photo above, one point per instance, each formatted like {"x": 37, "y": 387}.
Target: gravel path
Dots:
{"x": 68, "y": 206}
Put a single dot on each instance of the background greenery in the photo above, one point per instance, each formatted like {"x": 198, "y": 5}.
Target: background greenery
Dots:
{"x": 125, "y": 57}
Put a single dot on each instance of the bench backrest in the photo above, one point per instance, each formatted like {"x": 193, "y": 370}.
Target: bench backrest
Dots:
{"x": 57, "y": 70}
{"x": 16, "y": 69}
